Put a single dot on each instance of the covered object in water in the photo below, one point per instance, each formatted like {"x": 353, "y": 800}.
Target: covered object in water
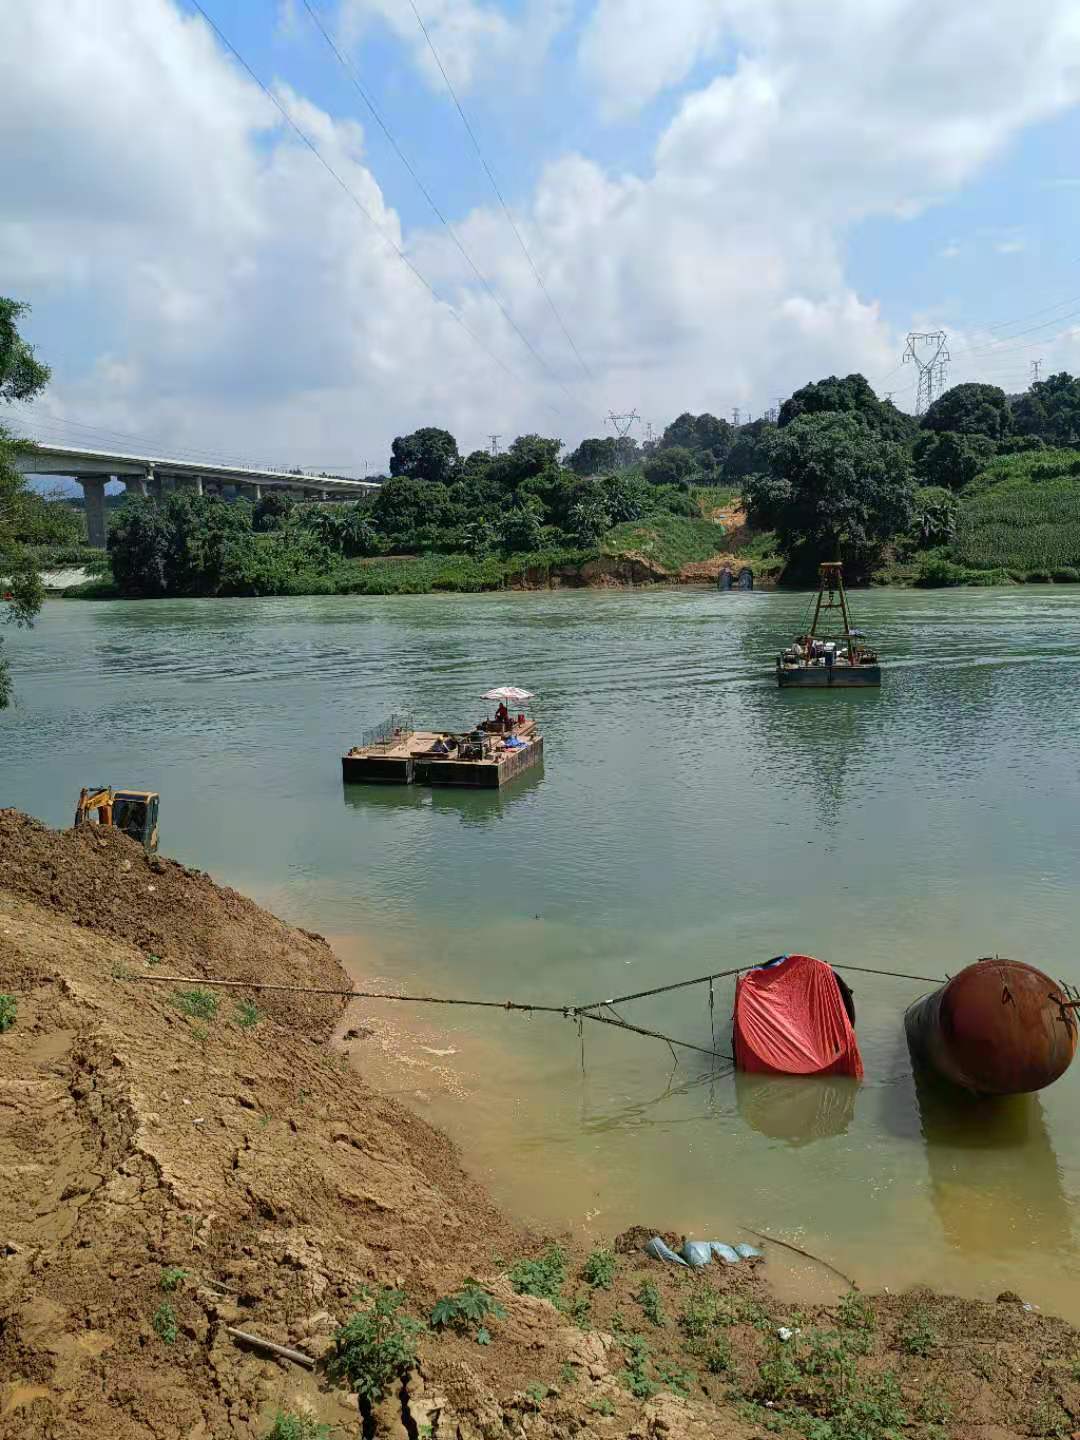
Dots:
{"x": 791, "y": 1018}
{"x": 1000, "y": 1027}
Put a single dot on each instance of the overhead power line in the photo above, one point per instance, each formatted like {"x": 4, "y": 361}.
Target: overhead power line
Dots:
{"x": 347, "y": 189}
{"x": 362, "y": 92}
{"x": 495, "y": 186}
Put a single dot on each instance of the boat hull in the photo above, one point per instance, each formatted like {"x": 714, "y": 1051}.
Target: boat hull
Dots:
{"x": 825, "y": 677}
{"x": 997, "y": 1028}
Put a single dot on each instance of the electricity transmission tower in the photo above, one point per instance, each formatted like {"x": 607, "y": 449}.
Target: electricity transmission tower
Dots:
{"x": 494, "y": 443}
{"x": 735, "y": 413}
{"x": 927, "y": 351}
{"x": 649, "y": 436}
{"x": 622, "y": 423}
{"x": 1036, "y": 366}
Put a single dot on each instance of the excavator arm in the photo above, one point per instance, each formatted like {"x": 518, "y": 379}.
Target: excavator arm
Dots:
{"x": 94, "y": 800}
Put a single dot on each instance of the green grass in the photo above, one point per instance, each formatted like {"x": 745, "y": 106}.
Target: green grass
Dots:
{"x": 464, "y": 574}
{"x": 648, "y": 1297}
{"x": 670, "y": 541}
{"x": 9, "y": 1009}
{"x": 246, "y": 1014}
{"x": 199, "y": 1004}
{"x": 172, "y": 1277}
{"x": 1022, "y": 513}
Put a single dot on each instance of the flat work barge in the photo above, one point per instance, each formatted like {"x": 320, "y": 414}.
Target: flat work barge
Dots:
{"x": 496, "y": 752}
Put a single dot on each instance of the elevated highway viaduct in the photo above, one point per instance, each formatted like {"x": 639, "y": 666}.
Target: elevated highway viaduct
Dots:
{"x": 157, "y": 475}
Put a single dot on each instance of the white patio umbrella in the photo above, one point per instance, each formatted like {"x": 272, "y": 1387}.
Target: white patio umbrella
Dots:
{"x": 508, "y": 694}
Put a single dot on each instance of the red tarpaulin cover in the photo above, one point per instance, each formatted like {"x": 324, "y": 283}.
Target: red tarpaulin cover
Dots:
{"x": 790, "y": 1020}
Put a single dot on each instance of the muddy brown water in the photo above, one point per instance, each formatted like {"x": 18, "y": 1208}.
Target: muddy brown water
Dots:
{"x": 689, "y": 817}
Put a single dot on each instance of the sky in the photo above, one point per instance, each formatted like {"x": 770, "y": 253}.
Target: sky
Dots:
{"x": 722, "y": 199}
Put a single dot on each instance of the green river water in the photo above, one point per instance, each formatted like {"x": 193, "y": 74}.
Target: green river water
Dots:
{"x": 689, "y": 817}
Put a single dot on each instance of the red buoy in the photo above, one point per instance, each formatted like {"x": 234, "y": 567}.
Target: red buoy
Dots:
{"x": 1000, "y": 1027}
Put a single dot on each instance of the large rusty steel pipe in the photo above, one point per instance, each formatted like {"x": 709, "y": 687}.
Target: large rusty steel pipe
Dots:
{"x": 1000, "y": 1027}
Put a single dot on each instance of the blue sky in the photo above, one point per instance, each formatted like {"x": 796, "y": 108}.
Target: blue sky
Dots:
{"x": 725, "y": 197}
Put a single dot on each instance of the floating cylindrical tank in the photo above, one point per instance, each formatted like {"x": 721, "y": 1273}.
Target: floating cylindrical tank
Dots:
{"x": 1000, "y": 1027}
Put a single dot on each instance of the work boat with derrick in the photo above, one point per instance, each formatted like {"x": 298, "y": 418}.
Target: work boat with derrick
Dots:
{"x": 829, "y": 657}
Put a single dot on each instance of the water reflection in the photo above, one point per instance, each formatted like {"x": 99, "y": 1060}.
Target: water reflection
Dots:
{"x": 796, "y": 1110}
{"x": 472, "y": 807}
{"x": 995, "y": 1180}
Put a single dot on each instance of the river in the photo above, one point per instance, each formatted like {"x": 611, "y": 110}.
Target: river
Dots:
{"x": 689, "y": 817}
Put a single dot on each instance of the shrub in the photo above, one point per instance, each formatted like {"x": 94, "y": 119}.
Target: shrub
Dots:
{"x": 855, "y": 1312}
{"x": 599, "y": 1269}
{"x": 544, "y": 1277}
{"x": 375, "y": 1346}
{"x": 636, "y": 1376}
{"x": 467, "y": 1310}
{"x": 648, "y": 1297}
{"x": 290, "y": 1426}
{"x": 172, "y": 1277}
{"x": 164, "y": 1322}
{"x": 1067, "y": 575}
{"x": 9, "y": 1009}
{"x": 916, "y": 1335}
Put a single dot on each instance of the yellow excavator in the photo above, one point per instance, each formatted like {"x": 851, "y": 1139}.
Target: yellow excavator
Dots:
{"x": 135, "y": 812}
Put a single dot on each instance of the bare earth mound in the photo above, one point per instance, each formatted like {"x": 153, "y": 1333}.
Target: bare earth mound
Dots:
{"x": 167, "y": 1174}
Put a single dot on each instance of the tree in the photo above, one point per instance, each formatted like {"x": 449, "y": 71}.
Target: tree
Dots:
{"x": 1050, "y": 410}
{"x": 947, "y": 459}
{"x": 589, "y": 520}
{"x": 272, "y": 510}
{"x": 22, "y": 377}
{"x": 595, "y": 456}
{"x": 708, "y": 439}
{"x": 427, "y": 454}
{"x": 749, "y": 455}
{"x": 834, "y": 489}
{"x": 519, "y": 529}
{"x": 971, "y": 410}
{"x": 851, "y": 395}
{"x": 671, "y": 466}
{"x": 935, "y": 512}
{"x": 410, "y": 513}
{"x": 138, "y": 541}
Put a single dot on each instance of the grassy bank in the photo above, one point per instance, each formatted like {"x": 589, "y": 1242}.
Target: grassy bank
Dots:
{"x": 1018, "y": 520}
{"x": 667, "y": 543}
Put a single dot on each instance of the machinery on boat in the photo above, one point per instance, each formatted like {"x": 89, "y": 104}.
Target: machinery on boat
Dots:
{"x": 999, "y": 1027}
{"x": 795, "y": 1016}
{"x": 826, "y": 660}
{"x": 135, "y": 812}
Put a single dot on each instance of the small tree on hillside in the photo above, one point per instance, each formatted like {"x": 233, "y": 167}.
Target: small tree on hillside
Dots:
{"x": 1050, "y": 410}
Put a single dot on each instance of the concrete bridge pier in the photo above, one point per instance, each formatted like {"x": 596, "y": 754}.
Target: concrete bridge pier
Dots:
{"x": 94, "y": 499}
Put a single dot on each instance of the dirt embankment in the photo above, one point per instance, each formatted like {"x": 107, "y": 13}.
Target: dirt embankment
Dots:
{"x": 169, "y": 1169}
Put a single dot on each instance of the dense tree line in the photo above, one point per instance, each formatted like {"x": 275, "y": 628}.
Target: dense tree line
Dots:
{"x": 24, "y": 517}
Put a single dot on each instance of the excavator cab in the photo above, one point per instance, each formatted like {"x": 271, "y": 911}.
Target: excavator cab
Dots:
{"x": 135, "y": 812}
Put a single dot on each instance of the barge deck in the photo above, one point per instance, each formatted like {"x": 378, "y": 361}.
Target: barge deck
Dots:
{"x": 410, "y": 757}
